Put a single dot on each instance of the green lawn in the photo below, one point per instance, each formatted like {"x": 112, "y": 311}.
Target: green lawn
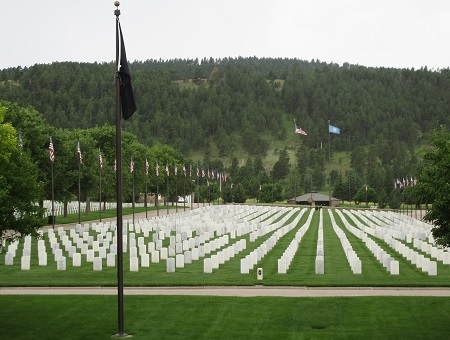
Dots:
{"x": 203, "y": 317}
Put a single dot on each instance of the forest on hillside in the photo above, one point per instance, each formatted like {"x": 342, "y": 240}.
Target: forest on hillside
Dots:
{"x": 383, "y": 114}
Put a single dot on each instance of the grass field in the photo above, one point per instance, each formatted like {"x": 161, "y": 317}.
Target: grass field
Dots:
{"x": 301, "y": 271}
{"x": 175, "y": 317}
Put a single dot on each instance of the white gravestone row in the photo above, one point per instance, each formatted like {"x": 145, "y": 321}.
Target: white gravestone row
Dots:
{"x": 352, "y": 258}
{"x": 416, "y": 228}
{"x": 285, "y": 260}
{"x": 280, "y": 229}
{"x": 388, "y": 262}
{"x": 320, "y": 256}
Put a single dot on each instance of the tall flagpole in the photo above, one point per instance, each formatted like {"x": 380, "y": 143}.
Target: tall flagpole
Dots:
{"x": 132, "y": 174}
{"x": 121, "y": 323}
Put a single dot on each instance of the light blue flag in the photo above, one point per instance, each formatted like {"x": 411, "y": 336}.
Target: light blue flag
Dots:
{"x": 334, "y": 129}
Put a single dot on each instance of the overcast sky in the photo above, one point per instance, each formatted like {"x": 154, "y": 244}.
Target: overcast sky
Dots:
{"x": 378, "y": 33}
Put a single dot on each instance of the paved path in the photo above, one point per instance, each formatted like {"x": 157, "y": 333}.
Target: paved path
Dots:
{"x": 232, "y": 291}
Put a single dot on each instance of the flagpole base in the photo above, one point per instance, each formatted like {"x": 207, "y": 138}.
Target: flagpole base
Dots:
{"x": 122, "y": 335}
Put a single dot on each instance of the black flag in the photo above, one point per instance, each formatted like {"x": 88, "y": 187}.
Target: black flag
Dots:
{"x": 126, "y": 90}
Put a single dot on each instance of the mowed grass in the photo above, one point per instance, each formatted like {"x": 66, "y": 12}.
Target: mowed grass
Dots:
{"x": 300, "y": 273}
{"x": 206, "y": 317}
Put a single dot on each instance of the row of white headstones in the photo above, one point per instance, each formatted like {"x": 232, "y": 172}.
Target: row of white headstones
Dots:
{"x": 206, "y": 233}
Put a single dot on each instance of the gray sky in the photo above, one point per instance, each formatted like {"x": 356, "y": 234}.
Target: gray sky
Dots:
{"x": 379, "y": 33}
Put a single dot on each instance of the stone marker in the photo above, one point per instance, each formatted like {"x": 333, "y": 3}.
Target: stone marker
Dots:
{"x": 170, "y": 265}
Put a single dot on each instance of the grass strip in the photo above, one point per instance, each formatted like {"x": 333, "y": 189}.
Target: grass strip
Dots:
{"x": 206, "y": 317}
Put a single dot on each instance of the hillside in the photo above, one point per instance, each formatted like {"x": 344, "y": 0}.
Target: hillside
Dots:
{"x": 226, "y": 109}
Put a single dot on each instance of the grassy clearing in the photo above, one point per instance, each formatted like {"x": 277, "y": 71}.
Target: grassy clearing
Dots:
{"x": 301, "y": 272}
{"x": 203, "y": 317}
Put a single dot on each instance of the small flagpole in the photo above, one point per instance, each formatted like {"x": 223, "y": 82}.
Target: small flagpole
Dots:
{"x": 184, "y": 190}
{"x": 329, "y": 164}
{"x": 176, "y": 190}
{"x": 121, "y": 323}
{"x": 53, "y": 196}
{"x": 79, "y": 183}
{"x": 100, "y": 182}
{"x": 146, "y": 175}
{"x": 132, "y": 174}
{"x": 167, "y": 193}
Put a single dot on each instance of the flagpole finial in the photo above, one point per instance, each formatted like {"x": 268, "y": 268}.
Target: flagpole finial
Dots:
{"x": 117, "y": 10}
{"x": 117, "y": 3}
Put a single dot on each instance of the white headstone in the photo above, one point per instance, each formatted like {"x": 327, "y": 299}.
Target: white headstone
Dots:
{"x": 188, "y": 257}
{"x": 319, "y": 265}
{"x": 111, "y": 260}
{"x": 76, "y": 260}
{"x": 170, "y": 265}
{"x": 179, "y": 261}
{"x": 25, "y": 263}
{"x": 282, "y": 266}
{"x": 207, "y": 265}
{"x": 42, "y": 258}
{"x": 395, "y": 267}
{"x": 9, "y": 259}
{"x": 164, "y": 254}
{"x": 134, "y": 264}
{"x": 145, "y": 260}
{"x": 155, "y": 256}
{"x": 61, "y": 263}
{"x": 98, "y": 264}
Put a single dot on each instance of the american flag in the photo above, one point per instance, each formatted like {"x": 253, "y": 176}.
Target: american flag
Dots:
{"x": 132, "y": 165}
{"x": 175, "y": 170}
{"x": 51, "y": 150}
{"x": 190, "y": 170}
{"x": 100, "y": 159}
{"x": 184, "y": 170}
{"x": 167, "y": 169}
{"x": 146, "y": 166}
{"x": 198, "y": 173}
{"x": 203, "y": 172}
{"x": 80, "y": 157}
{"x": 299, "y": 130}
{"x": 115, "y": 165}
{"x": 157, "y": 169}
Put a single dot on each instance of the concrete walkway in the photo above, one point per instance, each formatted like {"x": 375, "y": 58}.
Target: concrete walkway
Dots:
{"x": 232, "y": 291}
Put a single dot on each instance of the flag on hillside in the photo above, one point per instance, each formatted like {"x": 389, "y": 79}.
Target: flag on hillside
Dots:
{"x": 115, "y": 165}
{"x": 146, "y": 166}
{"x": 203, "y": 172}
{"x": 175, "y": 170}
{"x": 190, "y": 170}
{"x": 157, "y": 169}
{"x": 100, "y": 158}
{"x": 198, "y": 172}
{"x": 184, "y": 170}
{"x": 132, "y": 165}
{"x": 126, "y": 90}
{"x": 334, "y": 129}
{"x": 80, "y": 157}
{"x": 167, "y": 169}
{"x": 51, "y": 150}
{"x": 299, "y": 130}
